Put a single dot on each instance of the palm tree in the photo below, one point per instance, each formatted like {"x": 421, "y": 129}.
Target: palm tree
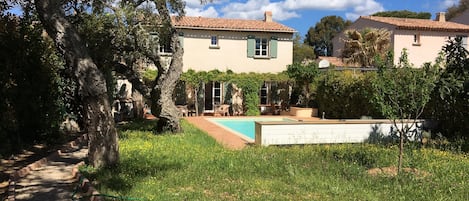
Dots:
{"x": 362, "y": 47}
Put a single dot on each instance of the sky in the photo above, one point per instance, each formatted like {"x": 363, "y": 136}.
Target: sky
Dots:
{"x": 303, "y": 14}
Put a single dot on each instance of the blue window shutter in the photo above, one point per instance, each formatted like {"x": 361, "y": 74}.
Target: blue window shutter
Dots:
{"x": 273, "y": 47}
{"x": 181, "y": 39}
{"x": 251, "y": 45}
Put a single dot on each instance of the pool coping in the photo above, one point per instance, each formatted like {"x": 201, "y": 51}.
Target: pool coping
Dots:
{"x": 227, "y": 137}
{"x": 223, "y": 136}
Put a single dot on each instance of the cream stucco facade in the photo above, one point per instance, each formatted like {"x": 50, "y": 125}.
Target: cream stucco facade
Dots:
{"x": 231, "y": 53}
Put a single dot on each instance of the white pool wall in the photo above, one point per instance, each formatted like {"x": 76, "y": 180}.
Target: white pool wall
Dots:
{"x": 324, "y": 131}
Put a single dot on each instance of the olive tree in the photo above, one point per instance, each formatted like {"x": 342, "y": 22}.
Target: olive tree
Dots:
{"x": 304, "y": 76}
{"x": 401, "y": 94}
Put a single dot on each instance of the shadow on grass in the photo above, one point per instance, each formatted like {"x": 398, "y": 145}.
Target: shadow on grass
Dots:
{"x": 138, "y": 125}
{"x": 122, "y": 177}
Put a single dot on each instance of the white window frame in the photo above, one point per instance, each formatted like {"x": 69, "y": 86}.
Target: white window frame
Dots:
{"x": 217, "y": 99}
{"x": 417, "y": 39}
{"x": 261, "y": 46}
{"x": 265, "y": 87}
{"x": 212, "y": 39}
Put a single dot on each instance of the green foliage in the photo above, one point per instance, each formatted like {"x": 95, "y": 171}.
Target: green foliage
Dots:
{"x": 451, "y": 96}
{"x": 402, "y": 93}
{"x": 304, "y": 76}
{"x": 302, "y": 52}
{"x": 149, "y": 76}
{"x": 320, "y": 37}
{"x": 193, "y": 166}
{"x": 455, "y": 10}
{"x": 250, "y": 85}
{"x": 31, "y": 106}
{"x": 346, "y": 94}
{"x": 404, "y": 14}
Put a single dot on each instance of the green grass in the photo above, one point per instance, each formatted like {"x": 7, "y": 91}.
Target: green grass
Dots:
{"x": 192, "y": 166}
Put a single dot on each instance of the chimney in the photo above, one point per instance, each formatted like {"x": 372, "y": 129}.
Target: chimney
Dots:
{"x": 268, "y": 16}
{"x": 440, "y": 17}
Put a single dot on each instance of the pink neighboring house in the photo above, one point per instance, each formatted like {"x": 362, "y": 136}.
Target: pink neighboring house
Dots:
{"x": 422, "y": 38}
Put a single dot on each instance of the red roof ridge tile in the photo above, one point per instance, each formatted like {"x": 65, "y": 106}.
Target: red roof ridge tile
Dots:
{"x": 230, "y": 24}
{"x": 419, "y": 24}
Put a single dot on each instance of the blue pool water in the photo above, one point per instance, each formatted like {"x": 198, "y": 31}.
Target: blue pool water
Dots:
{"x": 244, "y": 126}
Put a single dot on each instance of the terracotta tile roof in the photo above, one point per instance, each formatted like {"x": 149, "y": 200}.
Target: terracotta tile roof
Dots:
{"x": 230, "y": 24}
{"x": 420, "y": 24}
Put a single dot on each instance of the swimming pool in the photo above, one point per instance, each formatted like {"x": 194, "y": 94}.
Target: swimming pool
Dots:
{"x": 244, "y": 126}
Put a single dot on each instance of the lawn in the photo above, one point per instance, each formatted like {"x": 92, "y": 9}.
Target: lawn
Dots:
{"x": 192, "y": 166}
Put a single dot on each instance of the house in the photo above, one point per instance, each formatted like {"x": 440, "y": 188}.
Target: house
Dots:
{"x": 260, "y": 46}
{"x": 234, "y": 44}
{"x": 423, "y": 38}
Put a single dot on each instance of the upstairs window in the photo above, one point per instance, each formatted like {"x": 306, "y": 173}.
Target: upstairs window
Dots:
{"x": 165, "y": 48}
{"x": 416, "y": 39}
{"x": 262, "y": 47}
{"x": 214, "y": 42}
{"x": 163, "y": 45}
{"x": 258, "y": 47}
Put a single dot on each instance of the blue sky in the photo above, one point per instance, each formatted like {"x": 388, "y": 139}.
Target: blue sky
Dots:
{"x": 302, "y": 14}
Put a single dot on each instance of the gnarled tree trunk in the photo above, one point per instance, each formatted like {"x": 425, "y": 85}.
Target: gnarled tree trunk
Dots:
{"x": 162, "y": 93}
{"x": 163, "y": 104}
{"x": 99, "y": 123}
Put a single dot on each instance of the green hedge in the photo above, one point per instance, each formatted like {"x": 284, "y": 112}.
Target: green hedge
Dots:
{"x": 346, "y": 94}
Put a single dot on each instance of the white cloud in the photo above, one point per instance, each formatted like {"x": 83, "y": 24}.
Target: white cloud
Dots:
{"x": 321, "y": 4}
{"x": 282, "y": 9}
{"x": 366, "y": 8}
{"x": 254, "y": 9}
{"x": 448, "y": 3}
{"x": 194, "y": 4}
{"x": 208, "y": 12}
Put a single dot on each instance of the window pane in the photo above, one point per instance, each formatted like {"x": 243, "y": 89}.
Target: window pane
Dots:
{"x": 264, "y": 52}
{"x": 214, "y": 40}
{"x": 258, "y": 52}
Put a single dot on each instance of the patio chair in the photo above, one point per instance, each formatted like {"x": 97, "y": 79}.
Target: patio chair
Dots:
{"x": 222, "y": 109}
{"x": 183, "y": 111}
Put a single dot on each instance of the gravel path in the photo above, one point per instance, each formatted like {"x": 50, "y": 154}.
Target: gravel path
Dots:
{"x": 51, "y": 178}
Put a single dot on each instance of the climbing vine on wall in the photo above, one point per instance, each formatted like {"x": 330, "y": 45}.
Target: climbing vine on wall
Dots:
{"x": 250, "y": 83}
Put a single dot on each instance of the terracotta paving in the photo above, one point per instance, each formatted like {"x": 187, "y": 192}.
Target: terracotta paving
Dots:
{"x": 225, "y": 137}
{"x": 221, "y": 135}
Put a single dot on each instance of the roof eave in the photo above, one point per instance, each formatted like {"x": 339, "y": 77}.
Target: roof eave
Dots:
{"x": 231, "y": 29}
{"x": 431, "y": 29}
